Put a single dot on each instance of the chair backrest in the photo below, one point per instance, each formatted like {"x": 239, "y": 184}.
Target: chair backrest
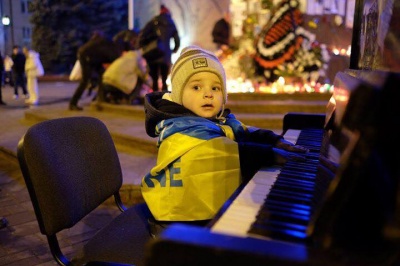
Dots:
{"x": 70, "y": 166}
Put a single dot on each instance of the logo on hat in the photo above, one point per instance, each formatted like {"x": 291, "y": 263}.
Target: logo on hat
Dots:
{"x": 199, "y": 62}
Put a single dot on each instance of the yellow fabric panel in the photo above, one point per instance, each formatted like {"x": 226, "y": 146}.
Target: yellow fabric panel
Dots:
{"x": 172, "y": 148}
{"x": 196, "y": 186}
{"x": 228, "y": 131}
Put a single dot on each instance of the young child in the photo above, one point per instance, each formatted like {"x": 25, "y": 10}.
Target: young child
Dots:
{"x": 204, "y": 152}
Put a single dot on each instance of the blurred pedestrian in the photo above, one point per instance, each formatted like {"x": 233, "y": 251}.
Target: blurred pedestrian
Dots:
{"x": 33, "y": 70}
{"x": 124, "y": 78}
{"x": 161, "y": 67}
{"x": 18, "y": 70}
{"x": 8, "y": 77}
{"x": 93, "y": 55}
{"x": 221, "y": 33}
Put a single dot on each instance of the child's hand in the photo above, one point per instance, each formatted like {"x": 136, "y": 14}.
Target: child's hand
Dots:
{"x": 288, "y": 146}
{"x": 281, "y": 156}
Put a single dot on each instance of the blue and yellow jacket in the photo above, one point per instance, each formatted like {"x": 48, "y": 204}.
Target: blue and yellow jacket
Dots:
{"x": 200, "y": 162}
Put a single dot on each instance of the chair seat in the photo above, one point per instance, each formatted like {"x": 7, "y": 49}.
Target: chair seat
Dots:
{"x": 110, "y": 243}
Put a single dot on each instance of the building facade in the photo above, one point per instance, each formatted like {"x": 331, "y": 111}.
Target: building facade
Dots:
{"x": 15, "y": 28}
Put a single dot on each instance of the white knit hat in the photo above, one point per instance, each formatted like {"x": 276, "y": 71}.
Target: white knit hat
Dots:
{"x": 193, "y": 60}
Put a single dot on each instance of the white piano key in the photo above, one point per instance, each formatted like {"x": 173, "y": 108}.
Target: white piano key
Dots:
{"x": 239, "y": 216}
{"x": 292, "y": 135}
{"x": 235, "y": 220}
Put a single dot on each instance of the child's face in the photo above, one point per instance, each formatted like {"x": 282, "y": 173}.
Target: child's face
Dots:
{"x": 203, "y": 94}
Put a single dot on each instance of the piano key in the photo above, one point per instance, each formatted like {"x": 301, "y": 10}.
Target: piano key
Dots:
{"x": 292, "y": 187}
{"x": 291, "y": 172}
{"x": 248, "y": 201}
{"x": 299, "y": 182}
{"x": 284, "y": 225}
{"x": 295, "y": 208}
{"x": 270, "y": 188}
{"x": 278, "y": 221}
{"x": 264, "y": 216}
{"x": 292, "y": 135}
{"x": 285, "y": 233}
{"x": 278, "y": 195}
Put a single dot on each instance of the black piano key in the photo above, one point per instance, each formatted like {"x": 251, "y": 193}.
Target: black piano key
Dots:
{"x": 266, "y": 215}
{"x": 293, "y": 187}
{"x": 283, "y": 225}
{"x": 295, "y": 183}
{"x": 313, "y": 156}
{"x": 309, "y": 144}
{"x": 283, "y": 208}
{"x": 306, "y": 163}
{"x": 289, "y": 208}
{"x": 286, "y": 232}
{"x": 303, "y": 168}
{"x": 295, "y": 195}
{"x": 298, "y": 206}
{"x": 277, "y": 195}
{"x": 296, "y": 173}
{"x": 276, "y": 226}
{"x": 298, "y": 176}
{"x": 290, "y": 203}
{"x": 310, "y": 158}
{"x": 311, "y": 171}
{"x": 314, "y": 140}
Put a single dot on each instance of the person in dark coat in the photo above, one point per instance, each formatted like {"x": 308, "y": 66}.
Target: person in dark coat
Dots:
{"x": 221, "y": 32}
{"x": 161, "y": 67}
{"x": 93, "y": 55}
{"x": 18, "y": 70}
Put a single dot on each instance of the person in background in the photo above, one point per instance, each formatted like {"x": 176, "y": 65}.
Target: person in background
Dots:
{"x": 8, "y": 78}
{"x": 33, "y": 70}
{"x": 160, "y": 67}
{"x": 204, "y": 152}
{"x": 93, "y": 55}
{"x": 1, "y": 79}
{"x": 94, "y": 83}
{"x": 221, "y": 33}
{"x": 124, "y": 78}
{"x": 18, "y": 70}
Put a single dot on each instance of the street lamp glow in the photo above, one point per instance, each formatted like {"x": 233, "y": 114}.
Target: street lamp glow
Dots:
{"x": 5, "y": 21}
